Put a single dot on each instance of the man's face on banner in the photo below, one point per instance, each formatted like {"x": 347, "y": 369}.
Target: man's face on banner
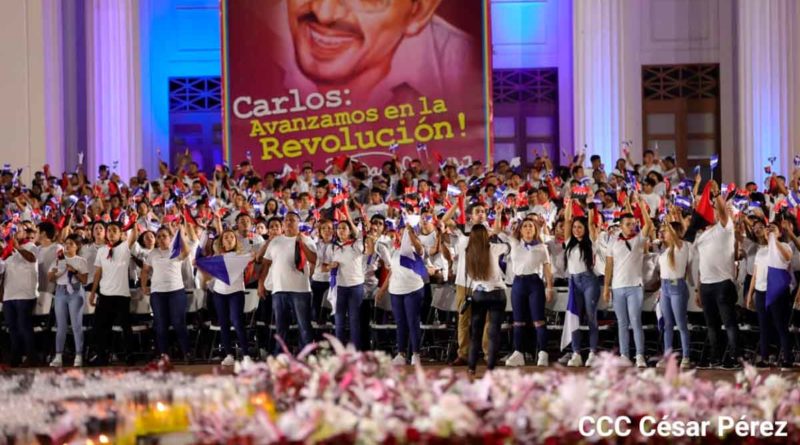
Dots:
{"x": 337, "y": 40}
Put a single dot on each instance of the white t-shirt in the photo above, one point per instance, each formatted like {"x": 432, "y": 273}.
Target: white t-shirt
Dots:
{"x": 575, "y": 260}
{"x": 403, "y": 280}
{"x": 21, "y": 277}
{"x": 628, "y": 263}
{"x": 89, "y": 252}
{"x": 760, "y": 265}
{"x": 285, "y": 276}
{"x": 683, "y": 257}
{"x": 527, "y": 259}
{"x": 46, "y": 257}
{"x": 496, "y": 278}
{"x": 351, "y": 264}
{"x": 114, "y": 280}
{"x": 715, "y": 248}
{"x": 324, "y": 255}
{"x": 167, "y": 274}
{"x": 237, "y": 283}
{"x": 78, "y": 263}
{"x": 557, "y": 261}
{"x": 769, "y": 257}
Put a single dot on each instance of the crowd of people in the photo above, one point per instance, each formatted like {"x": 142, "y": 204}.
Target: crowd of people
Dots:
{"x": 321, "y": 245}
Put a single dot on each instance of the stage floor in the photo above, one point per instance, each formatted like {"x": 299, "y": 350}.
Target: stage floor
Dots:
{"x": 205, "y": 369}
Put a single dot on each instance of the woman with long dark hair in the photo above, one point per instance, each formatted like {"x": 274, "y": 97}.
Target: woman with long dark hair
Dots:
{"x": 584, "y": 287}
{"x": 530, "y": 263}
{"x": 70, "y": 273}
{"x": 488, "y": 286}
{"x": 674, "y": 265}
{"x": 347, "y": 266}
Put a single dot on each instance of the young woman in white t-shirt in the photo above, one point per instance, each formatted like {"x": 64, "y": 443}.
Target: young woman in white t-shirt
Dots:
{"x": 162, "y": 279}
{"x": 674, "y": 266}
{"x": 488, "y": 286}
{"x": 347, "y": 266}
{"x": 111, "y": 291}
{"x": 530, "y": 263}
{"x": 584, "y": 286}
{"x": 770, "y": 293}
{"x": 70, "y": 273}
{"x": 229, "y": 300}
{"x": 406, "y": 291}
{"x": 320, "y": 279}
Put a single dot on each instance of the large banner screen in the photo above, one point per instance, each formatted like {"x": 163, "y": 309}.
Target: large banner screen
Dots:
{"x": 318, "y": 80}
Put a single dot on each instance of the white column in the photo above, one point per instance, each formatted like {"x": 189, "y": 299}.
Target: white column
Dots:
{"x": 597, "y": 74}
{"x": 113, "y": 86}
{"x": 768, "y": 86}
{"x": 28, "y": 87}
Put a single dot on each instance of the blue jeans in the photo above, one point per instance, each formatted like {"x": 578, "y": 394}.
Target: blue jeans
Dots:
{"x": 170, "y": 308}
{"x": 586, "y": 290}
{"x": 69, "y": 308}
{"x": 230, "y": 309}
{"x": 628, "y": 308}
{"x": 674, "y": 306}
{"x": 18, "y": 315}
{"x": 283, "y": 303}
{"x": 406, "y": 309}
{"x": 774, "y": 320}
{"x": 527, "y": 306}
{"x": 348, "y": 306}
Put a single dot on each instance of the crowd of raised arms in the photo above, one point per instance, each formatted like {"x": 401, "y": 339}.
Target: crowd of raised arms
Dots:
{"x": 341, "y": 245}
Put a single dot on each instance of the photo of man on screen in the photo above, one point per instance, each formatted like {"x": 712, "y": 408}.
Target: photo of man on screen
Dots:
{"x": 376, "y": 51}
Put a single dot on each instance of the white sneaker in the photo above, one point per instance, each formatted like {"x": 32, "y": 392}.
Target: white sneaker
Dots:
{"x": 247, "y": 362}
{"x": 515, "y": 359}
{"x": 57, "y": 361}
{"x": 625, "y": 361}
{"x": 661, "y": 363}
{"x": 229, "y": 361}
{"x": 575, "y": 361}
{"x": 399, "y": 360}
{"x": 686, "y": 363}
{"x": 415, "y": 360}
{"x": 544, "y": 359}
{"x": 78, "y": 361}
{"x": 591, "y": 359}
{"x": 640, "y": 361}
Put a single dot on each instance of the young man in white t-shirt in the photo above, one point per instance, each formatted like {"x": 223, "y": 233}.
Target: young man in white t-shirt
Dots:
{"x": 19, "y": 295}
{"x": 717, "y": 293}
{"x": 624, "y": 277}
{"x": 290, "y": 257}
{"x": 111, "y": 291}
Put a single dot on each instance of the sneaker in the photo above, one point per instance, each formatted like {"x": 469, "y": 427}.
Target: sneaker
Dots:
{"x": 565, "y": 359}
{"x": 544, "y": 359}
{"x": 57, "y": 361}
{"x": 575, "y": 361}
{"x": 625, "y": 361}
{"x": 591, "y": 359}
{"x": 229, "y": 361}
{"x": 661, "y": 363}
{"x": 786, "y": 366}
{"x": 730, "y": 364}
{"x": 399, "y": 360}
{"x": 686, "y": 363}
{"x": 247, "y": 362}
{"x": 640, "y": 361}
{"x": 415, "y": 360}
{"x": 515, "y": 359}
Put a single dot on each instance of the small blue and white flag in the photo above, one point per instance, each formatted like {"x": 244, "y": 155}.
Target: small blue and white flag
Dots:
{"x": 177, "y": 245}
{"x": 453, "y": 190}
{"x": 714, "y": 161}
{"x": 411, "y": 259}
{"x": 224, "y": 267}
{"x": 684, "y": 202}
{"x": 332, "y": 294}
{"x": 572, "y": 318}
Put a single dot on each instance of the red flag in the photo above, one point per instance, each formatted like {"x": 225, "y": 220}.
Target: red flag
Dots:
{"x": 9, "y": 249}
{"x": 299, "y": 256}
{"x": 203, "y": 180}
{"x": 462, "y": 217}
{"x": 704, "y": 208}
{"x": 340, "y": 162}
{"x": 113, "y": 188}
{"x": 187, "y": 215}
{"x": 577, "y": 209}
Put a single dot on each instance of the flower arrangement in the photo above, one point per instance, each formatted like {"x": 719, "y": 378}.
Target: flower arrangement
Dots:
{"x": 334, "y": 394}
